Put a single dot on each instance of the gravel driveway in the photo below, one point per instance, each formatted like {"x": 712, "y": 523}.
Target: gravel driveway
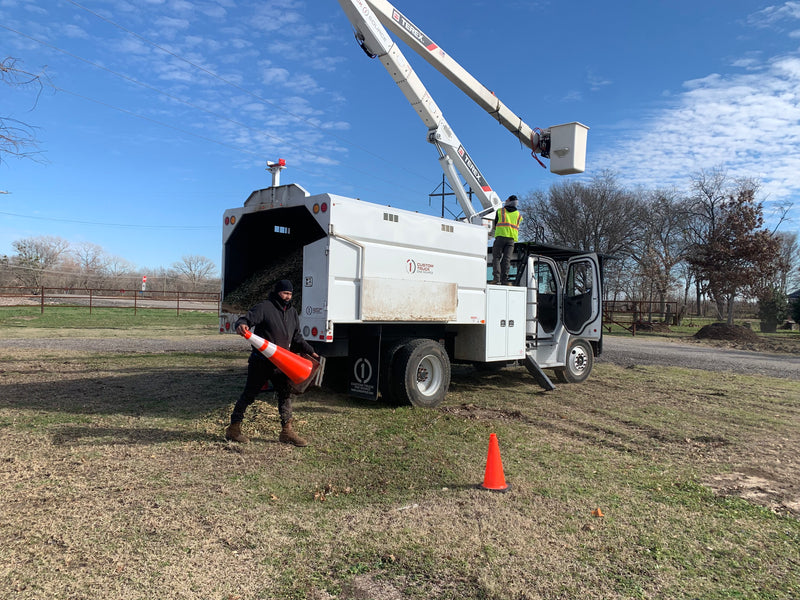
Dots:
{"x": 624, "y": 351}
{"x": 629, "y": 351}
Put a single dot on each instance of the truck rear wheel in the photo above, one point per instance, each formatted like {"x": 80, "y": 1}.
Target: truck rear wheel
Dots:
{"x": 580, "y": 359}
{"x": 421, "y": 373}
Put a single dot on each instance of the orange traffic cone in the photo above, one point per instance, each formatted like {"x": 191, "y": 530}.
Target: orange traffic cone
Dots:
{"x": 295, "y": 367}
{"x": 494, "y": 479}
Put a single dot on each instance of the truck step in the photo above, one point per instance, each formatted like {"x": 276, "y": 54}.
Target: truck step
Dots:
{"x": 538, "y": 374}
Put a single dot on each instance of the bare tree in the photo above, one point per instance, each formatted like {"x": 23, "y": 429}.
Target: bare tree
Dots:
{"x": 92, "y": 263}
{"x": 17, "y": 138}
{"x": 194, "y": 269}
{"x": 35, "y": 257}
{"x": 118, "y": 269}
{"x": 788, "y": 278}
{"x": 598, "y": 217}
{"x": 663, "y": 240}
{"x": 6, "y": 272}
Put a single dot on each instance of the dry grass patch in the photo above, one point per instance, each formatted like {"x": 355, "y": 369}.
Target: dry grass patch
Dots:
{"x": 117, "y": 483}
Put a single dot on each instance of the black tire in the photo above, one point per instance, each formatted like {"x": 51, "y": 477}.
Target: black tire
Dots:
{"x": 420, "y": 373}
{"x": 580, "y": 360}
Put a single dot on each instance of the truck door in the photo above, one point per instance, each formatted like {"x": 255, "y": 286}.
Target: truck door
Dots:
{"x": 581, "y": 299}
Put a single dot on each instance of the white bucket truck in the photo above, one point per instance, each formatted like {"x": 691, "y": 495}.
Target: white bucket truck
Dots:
{"x": 398, "y": 295}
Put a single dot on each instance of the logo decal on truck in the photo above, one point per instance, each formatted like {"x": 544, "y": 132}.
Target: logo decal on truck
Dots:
{"x": 413, "y": 266}
{"x": 412, "y": 30}
{"x": 362, "y": 371}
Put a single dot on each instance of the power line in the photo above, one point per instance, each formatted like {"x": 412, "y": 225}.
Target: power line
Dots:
{"x": 123, "y": 225}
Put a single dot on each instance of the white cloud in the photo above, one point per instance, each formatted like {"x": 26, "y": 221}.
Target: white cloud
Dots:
{"x": 749, "y": 123}
{"x": 215, "y": 12}
{"x": 181, "y": 6}
{"x": 73, "y": 31}
{"x": 171, "y": 23}
{"x": 773, "y": 15}
{"x": 596, "y": 81}
{"x": 301, "y": 82}
{"x": 128, "y": 45}
{"x": 274, "y": 75}
{"x": 277, "y": 15}
{"x": 35, "y": 9}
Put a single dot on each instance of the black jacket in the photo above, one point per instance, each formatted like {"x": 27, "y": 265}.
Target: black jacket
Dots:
{"x": 277, "y": 324}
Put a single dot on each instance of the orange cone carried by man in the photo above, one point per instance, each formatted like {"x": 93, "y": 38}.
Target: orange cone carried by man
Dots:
{"x": 295, "y": 367}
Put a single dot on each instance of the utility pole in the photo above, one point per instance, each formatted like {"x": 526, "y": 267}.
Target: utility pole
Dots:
{"x": 444, "y": 186}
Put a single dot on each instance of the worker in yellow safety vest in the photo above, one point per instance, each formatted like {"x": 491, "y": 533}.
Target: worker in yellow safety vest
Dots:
{"x": 506, "y": 234}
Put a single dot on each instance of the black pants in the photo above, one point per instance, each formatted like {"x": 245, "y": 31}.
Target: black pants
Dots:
{"x": 259, "y": 371}
{"x": 502, "y": 249}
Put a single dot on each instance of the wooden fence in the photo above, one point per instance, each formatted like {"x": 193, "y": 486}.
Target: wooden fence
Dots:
{"x": 630, "y": 314}
{"x": 51, "y": 298}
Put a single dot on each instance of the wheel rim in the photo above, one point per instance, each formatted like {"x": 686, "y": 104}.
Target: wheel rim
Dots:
{"x": 429, "y": 375}
{"x": 578, "y": 360}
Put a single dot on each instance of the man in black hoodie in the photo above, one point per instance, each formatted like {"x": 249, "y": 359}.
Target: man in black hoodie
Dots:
{"x": 276, "y": 321}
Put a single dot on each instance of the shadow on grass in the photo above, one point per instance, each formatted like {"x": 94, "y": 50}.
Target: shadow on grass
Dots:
{"x": 180, "y": 393}
{"x": 186, "y": 393}
{"x": 88, "y": 435}
{"x": 468, "y": 378}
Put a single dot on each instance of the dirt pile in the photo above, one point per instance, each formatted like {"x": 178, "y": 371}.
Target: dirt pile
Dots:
{"x": 728, "y": 333}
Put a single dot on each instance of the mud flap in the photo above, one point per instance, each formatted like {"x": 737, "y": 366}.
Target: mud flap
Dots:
{"x": 365, "y": 355}
{"x": 536, "y": 372}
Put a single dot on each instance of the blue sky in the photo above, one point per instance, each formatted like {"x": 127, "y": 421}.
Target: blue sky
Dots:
{"x": 160, "y": 114}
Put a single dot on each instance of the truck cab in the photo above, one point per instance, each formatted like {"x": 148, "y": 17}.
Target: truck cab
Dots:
{"x": 564, "y": 314}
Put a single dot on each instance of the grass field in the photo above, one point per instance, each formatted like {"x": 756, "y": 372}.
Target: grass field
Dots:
{"x": 65, "y": 321}
{"x": 116, "y": 482}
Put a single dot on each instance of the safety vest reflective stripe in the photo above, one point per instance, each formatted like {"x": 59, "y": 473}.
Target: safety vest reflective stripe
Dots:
{"x": 508, "y": 224}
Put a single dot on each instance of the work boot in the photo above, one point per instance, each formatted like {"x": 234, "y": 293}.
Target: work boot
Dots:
{"x": 288, "y": 435}
{"x": 234, "y": 433}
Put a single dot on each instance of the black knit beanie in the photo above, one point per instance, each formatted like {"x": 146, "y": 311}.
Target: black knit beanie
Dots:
{"x": 284, "y": 285}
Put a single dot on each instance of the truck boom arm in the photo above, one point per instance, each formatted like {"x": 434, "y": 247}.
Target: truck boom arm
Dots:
{"x": 400, "y": 25}
{"x": 376, "y": 42}
{"x": 369, "y": 19}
